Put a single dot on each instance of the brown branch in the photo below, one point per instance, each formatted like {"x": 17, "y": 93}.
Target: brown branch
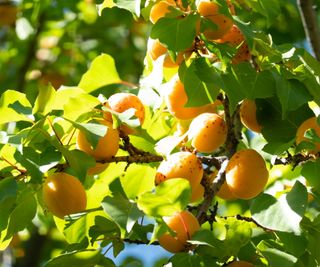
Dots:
{"x": 210, "y": 192}
{"x": 310, "y": 24}
{"x": 134, "y": 159}
{"x": 294, "y": 160}
{"x": 247, "y": 219}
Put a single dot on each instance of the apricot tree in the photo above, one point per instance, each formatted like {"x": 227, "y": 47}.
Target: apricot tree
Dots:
{"x": 182, "y": 124}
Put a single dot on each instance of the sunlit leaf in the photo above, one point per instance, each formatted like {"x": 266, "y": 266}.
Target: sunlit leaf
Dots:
{"x": 102, "y": 72}
{"x": 169, "y": 197}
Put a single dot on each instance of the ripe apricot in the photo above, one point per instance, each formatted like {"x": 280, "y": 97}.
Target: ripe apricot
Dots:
{"x": 160, "y": 9}
{"x": 246, "y": 174}
{"x": 107, "y": 146}
{"x": 248, "y": 115}
{"x": 234, "y": 37}
{"x": 64, "y": 194}
{"x": 240, "y": 264}
{"x": 310, "y": 123}
{"x": 198, "y": 193}
{"x": 8, "y": 14}
{"x": 98, "y": 168}
{"x": 210, "y": 10}
{"x": 184, "y": 224}
{"x": 121, "y": 102}
{"x": 156, "y": 49}
{"x": 208, "y": 131}
{"x": 224, "y": 191}
{"x": 182, "y": 164}
{"x": 176, "y": 98}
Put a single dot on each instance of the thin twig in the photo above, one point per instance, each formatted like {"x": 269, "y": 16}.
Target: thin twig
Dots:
{"x": 310, "y": 24}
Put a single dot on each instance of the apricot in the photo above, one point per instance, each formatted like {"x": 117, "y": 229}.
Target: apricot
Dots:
{"x": 198, "y": 193}
{"x": 234, "y": 37}
{"x": 184, "y": 224}
{"x": 176, "y": 98}
{"x": 8, "y": 14}
{"x": 240, "y": 264}
{"x": 98, "y": 168}
{"x": 63, "y": 194}
{"x": 224, "y": 191}
{"x": 107, "y": 146}
{"x": 210, "y": 10}
{"x": 246, "y": 174}
{"x": 310, "y": 123}
{"x": 156, "y": 49}
{"x": 121, "y": 102}
{"x": 160, "y": 9}
{"x": 248, "y": 115}
{"x": 182, "y": 164}
{"x": 208, "y": 131}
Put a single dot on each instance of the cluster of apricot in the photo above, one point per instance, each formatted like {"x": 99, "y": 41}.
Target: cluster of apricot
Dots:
{"x": 63, "y": 194}
{"x": 246, "y": 172}
{"x": 214, "y": 25}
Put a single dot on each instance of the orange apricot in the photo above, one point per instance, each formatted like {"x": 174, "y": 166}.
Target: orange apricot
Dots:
{"x": 63, "y": 194}
{"x": 156, "y": 49}
{"x": 310, "y": 123}
{"x": 160, "y": 9}
{"x": 234, "y": 37}
{"x": 208, "y": 131}
{"x": 8, "y": 14}
{"x": 198, "y": 193}
{"x": 210, "y": 10}
{"x": 184, "y": 224}
{"x": 121, "y": 102}
{"x": 248, "y": 115}
{"x": 107, "y": 146}
{"x": 246, "y": 174}
{"x": 176, "y": 98}
{"x": 98, "y": 168}
{"x": 224, "y": 191}
{"x": 240, "y": 264}
{"x": 182, "y": 164}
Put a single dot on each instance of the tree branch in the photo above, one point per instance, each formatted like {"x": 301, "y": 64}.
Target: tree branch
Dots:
{"x": 310, "y": 24}
{"x": 31, "y": 50}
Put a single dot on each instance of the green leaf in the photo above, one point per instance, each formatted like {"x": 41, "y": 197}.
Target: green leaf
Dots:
{"x": 292, "y": 94}
{"x": 76, "y": 231}
{"x": 293, "y": 244}
{"x": 186, "y": 260}
{"x": 79, "y": 162}
{"x": 103, "y": 227}
{"x": 102, "y": 72}
{"x": 201, "y": 82}
{"x": 22, "y": 214}
{"x": 8, "y": 195}
{"x": 243, "y": 81}
{"x": 284, "y": 214}
{"x": 8, "y": 189}
{"x": 269, "y": 115}
{"x": 15, "y": 106}
{"x": 122, "y": 211}
{"x": 45, "y": 100}
{"x": 275, "y": 256}
{"x": 132, "y": 6}
{"x": 137, "y": 180}
{"x": 176, "y": 34}
{"x": 85, "y": 258}
{"x": 169, "y": 197}
{"x": 238, "y": 234}
{"x": 208, "y": 244}
{"x": 311, "y": 171}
